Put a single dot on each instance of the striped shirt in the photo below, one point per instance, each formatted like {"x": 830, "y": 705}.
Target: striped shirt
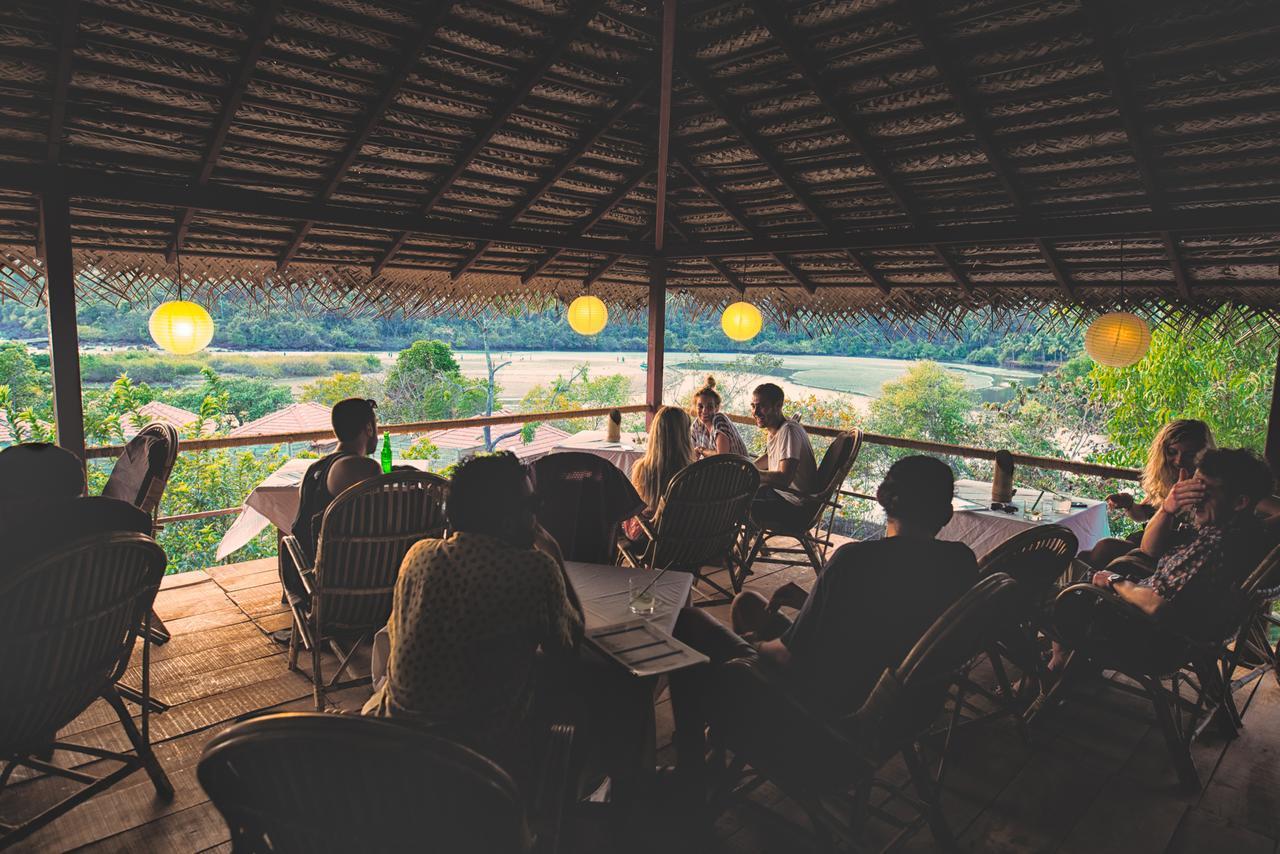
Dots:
{"x": 705, "y": 438}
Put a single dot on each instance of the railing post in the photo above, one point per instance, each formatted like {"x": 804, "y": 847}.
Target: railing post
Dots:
{"x": 1272, "y": 451}
{"x": 657, "y": 332}
{"x": 64, "y": 341}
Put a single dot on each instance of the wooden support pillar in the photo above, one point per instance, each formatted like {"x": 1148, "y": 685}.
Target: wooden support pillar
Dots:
{"x": 657, "y": 332}
{"x": 1272, "y": 451}
{"x": 64, "y": 341}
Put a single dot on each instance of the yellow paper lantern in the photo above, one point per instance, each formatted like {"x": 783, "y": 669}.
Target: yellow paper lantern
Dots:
{"x": 588, "y": 315}
{"x": 1117, "y": 339}
{"x": 741, "y": 321}
{"x": 181, "y": 327}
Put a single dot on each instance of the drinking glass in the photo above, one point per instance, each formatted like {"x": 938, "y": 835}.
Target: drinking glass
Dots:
{"x": 641, "y": 599}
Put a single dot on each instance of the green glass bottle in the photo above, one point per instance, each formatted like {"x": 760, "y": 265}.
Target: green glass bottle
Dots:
{"x": 386, "y": 453}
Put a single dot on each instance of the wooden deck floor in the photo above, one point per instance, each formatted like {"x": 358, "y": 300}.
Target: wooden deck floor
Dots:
{"x": 1094, "y": 777}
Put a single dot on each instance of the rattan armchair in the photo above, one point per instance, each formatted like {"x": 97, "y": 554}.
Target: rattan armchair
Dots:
{"x": 309, "y": 782}
{"x": 828, "y": 765}
{"x": 364, "y": 535}
{"x": 1249, "y": 647}
{"x": 699, "y": 521}
{"x": 68, "y": 622}
{"x": 139, "y": 477}
{"x": 819, "y": 506}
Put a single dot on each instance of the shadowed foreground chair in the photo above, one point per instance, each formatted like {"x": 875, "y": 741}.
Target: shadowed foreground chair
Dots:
{"x": 68, "y": 622}
{"x": 1250, "y": 647}
{"x": 1107, "y": 633}
{"x": 699, "y": 521}
{"x": 828, "y": 766}
{"x": 836, "y": 464}
{"x": 583, "y": 500}
{"x": 364, "y": 535}
{"x": 309, "y": 782}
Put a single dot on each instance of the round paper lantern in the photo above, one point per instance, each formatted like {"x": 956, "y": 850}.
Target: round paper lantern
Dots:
{"x": 1117, "y": 339}
{"x": 588, "y": 315}
{"x": 741, "y": 321}
{"x": 181, "y": 327}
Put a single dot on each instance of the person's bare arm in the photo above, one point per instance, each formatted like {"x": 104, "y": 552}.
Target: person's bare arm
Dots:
{"x": 762, "y": 462}
{"x": 723, "y": 445}
{"x": 775, "y": 652}
{"x": 1144, "y": 598}
{"x": 1185, "y": 495}
{"x": 349, "y": 471}
{"x": 783, "y": 476}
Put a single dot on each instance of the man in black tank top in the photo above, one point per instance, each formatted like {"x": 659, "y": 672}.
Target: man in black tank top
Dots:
{"x": 355, "y": 423}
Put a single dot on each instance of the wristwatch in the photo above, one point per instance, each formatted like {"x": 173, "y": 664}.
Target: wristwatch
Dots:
{"x": 1111, "y": 582}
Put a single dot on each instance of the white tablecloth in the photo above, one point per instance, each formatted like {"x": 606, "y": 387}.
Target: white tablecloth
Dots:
{"x": 982, "y": 529}
{"x": 622, "y": 454}
{"x": 603, "y": 591}
{"x": 275, "y": 502}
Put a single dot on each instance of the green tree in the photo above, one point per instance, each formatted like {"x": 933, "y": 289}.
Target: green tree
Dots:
{"x": 578, "y": 391}
{"x": 929, "y": 402}
{"x": 330, "y": 390}
{"x": 28, "y": 385}
{"x": 246, "y": 398}
{"x": 429, "y": 356}
{"x": 426, "y": 385}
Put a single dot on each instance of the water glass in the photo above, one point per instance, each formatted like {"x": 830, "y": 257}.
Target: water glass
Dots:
{"x": 641, "y": 599}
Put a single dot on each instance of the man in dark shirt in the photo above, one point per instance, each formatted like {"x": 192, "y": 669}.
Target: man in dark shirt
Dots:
{"x": 870, "y": 605}
{"x": 1191, "y": 578}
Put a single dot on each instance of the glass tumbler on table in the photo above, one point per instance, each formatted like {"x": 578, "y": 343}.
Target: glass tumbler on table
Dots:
{"x": 641, "y": 599}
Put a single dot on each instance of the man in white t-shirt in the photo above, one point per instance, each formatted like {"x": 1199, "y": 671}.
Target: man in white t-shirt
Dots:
{"x": 787, "y": 469}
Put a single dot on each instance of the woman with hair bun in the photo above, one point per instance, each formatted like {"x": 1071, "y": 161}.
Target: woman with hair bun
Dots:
{"x": 712, "y": 431}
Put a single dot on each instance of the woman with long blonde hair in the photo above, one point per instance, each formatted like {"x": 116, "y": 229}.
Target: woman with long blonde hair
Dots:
{"x": 1172, "y": 457}
{"x": 668, "y": 450}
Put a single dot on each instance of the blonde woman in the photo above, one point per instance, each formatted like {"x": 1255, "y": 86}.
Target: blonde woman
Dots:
{"x": 1172, "y": 457}
{"x": 668, "y": 450}
{"x": 713, "y": 432}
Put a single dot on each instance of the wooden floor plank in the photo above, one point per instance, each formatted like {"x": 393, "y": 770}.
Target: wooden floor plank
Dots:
{"x": 230, "y": 574}
{"x": 226, "y": 615}
{"x": 193, "y": 829}
{"x": 1202, "y": 831}
{"x": 270, "y": 575}
{"x": 258, "y": 601}
{"x": 183, "y": 579}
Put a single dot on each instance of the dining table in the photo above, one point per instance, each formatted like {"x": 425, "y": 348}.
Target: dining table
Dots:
{"x": 982, "y": 528}
{"x": 622, "y": 453}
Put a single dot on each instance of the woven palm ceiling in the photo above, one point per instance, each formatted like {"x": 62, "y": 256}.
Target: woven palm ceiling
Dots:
{"x": 834, "y": 160}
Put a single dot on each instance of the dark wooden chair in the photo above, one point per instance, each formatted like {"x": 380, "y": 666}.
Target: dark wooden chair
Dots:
{"x": 1179, "y": 672}
{"x": 828, "y": 765}
{"x": 309, "y": 782}
{"x": 364, "y": 535}
{"x": 68, "y": 622}
{"x": 583, "y": 501}
{"x": 1249, "y": 647}
{"x": 139, "y": 477}
{"x": 819, "y": 506}
{"x": 60, "y": 473}
{"x": 699, "y": 521}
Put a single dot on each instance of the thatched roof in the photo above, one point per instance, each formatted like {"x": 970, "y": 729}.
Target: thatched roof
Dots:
{"x": 837, "y": 158}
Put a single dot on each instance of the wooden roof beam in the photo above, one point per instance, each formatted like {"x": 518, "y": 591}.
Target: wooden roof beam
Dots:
{"x": 569, "y": 29}
{"x": 601, "y": 211}
{"x": 252, "y": 51}
{"x": 666, "y": 61}
{"x": 736, "y": 213}
{"x": 961, "y": 277}
{"x": 760, "y": 148}
{"x": 623, "y": 107}
{"x": 390, "y": 90}
{"x": 67, "y": 25}
{"x": 716, "y": 264}
{"x": 1130, "y": 117}
{"x": 1055, "y": 267}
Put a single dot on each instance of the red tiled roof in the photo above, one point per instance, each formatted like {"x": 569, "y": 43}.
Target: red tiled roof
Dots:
{"x": 471, "y": 438}
{"x": 294, "y": 418}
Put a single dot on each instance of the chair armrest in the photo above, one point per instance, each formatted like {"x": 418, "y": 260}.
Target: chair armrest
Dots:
{"x": 300, "y": 559}
{"x": 645, "y": 526}
{"x": 554, "y": 788}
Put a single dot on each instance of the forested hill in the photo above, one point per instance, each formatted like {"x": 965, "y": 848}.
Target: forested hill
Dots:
{"x": 244, "y": 325}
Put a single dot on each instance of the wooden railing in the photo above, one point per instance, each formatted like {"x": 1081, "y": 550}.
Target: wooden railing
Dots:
{"x": 942, "y": 448}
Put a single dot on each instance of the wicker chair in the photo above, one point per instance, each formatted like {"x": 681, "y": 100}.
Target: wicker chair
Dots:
{"x": 828, "y": 766}
{"x": 310, "y": 782}
{"x": 836, "y": 464}
{"x": 1107, "y": 633}
{"x": 68, "y": 622}
{"x": 364, "y": 535}
{"x": 1249, "y": 645}
{"x": 583, "y": 500}
{"x": 699, "y": 521}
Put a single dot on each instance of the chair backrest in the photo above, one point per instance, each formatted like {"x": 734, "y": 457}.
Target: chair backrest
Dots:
{"x": 321, "y": 782}
{"x": 68, "y": 620}
{"x": 1264, "y": 581}
{"x": 909, "y": 698}
{"x": 1036, "y": 558}
{"x": 834, "y": 469}
{"x": 700, "y": 515}
{"x": 38, "y": 470}
{"x": 364, "y": 535}
{"x": 583, "y": 501}
{"x": 142, "y": 470}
